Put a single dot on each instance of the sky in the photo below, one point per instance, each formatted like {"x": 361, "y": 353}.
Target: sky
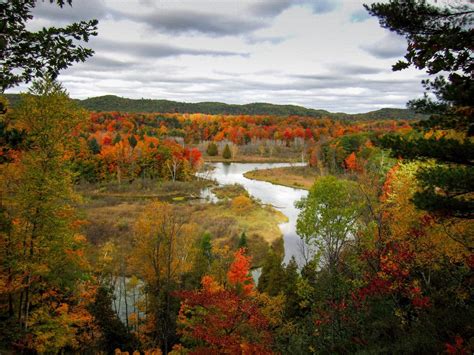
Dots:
{"x": 323, "y": 54}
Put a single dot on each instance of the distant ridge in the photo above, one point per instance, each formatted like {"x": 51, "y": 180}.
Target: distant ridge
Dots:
{"x": 116, "y": 103}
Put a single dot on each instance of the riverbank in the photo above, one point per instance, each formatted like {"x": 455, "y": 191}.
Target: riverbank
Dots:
{"x": 299, "y": 177}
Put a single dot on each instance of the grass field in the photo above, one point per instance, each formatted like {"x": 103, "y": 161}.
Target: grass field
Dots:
{"x": 110, "y": 212}
{"x": 300, "y": 177}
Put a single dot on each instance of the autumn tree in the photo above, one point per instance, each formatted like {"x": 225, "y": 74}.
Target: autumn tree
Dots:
{"x": 225, "y": 319}
{"x": 162, "y": 254}
{"x": 41, "y": 251}
{"x": 350, "y": 163}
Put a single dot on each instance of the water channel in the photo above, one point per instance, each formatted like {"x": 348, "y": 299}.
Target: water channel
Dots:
{"x": 281, "y": 198}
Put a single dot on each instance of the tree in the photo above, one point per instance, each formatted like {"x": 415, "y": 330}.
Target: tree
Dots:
{"x": 225, "y": 319}
{"x": 242, "y": 241}
{"x": 27, "y": 55}
{"x": 272, "y": 279}
{"x": 117, "y": 139}
{"x": 328, "y": 217}
{"x": 132, "y": 141}
{"x": 161, "y": 255}
{"x": 94, "y": 147}
{"x": 350, "y": 163}
{"x": 114, "y": 333}
{"x": 439, "y": 40}
{"x": 212, "y": 149}
{"x": 41, "y": 251}
{"x": 226, "y": 154}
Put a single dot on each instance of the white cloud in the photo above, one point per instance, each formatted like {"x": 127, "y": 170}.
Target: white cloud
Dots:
{"x": 320, "y": 53}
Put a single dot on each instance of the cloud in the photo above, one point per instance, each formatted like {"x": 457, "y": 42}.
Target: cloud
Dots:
{"x": 101, "y": 63}
{"x": 255, "y": 39}
{"x": 323, "y": 6}
{"x": 390, "y": 46}
{"x": 355, "y": 69}
{"x": 158, "y": 50}
{"x": 269, "y": 8}
{"x": 360, "y": 15}
{"x": 194, "y": 22}
{"x": 79, "y": 11}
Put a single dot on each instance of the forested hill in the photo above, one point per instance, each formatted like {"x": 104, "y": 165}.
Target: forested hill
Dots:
{"x": 115, "y": 103}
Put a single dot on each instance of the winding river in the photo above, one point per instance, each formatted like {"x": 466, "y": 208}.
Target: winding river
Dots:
{"x": 281, "y": 197}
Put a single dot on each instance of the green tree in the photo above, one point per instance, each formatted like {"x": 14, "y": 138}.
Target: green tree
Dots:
{"x": 226, "y": 153}
{"x": 117, "y": 139}
{"x": 272, "y": 279}
{"x": 114, "y": 333}
{"x": 94, "y": 147}
{"x": 328, "y": 217}
{"x": 212, "y": 149}
{"x": 132, "y": 140}
{"x": 242, "y": 241}
{"x": 27, "y": 55}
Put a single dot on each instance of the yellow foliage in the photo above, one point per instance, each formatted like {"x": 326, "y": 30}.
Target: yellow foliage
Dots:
{"x": 429, "y": 239}
{"x": 163, "y": 243}
{"x": 241, "y": 204}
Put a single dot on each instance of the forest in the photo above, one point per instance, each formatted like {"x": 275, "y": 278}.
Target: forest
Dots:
{"x": 115, "y": 103}
{"x": 123, "y": 230}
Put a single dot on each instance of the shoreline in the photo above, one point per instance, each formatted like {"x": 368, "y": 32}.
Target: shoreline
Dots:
{"x": 294, "y": 177}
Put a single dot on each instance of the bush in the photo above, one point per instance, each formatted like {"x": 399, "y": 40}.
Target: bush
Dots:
{"x": 241, "y": 204}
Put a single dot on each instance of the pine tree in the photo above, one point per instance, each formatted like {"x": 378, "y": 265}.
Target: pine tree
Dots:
{"x": 242, "y": 241}
{"x": 132, "y": 140}
{"x": 272, "y": 279}
{"x": 94, "y": 147}
{"x": 226, "y": 154}
{"x": 212, "y": 149}
{"x": 117, "y": 139}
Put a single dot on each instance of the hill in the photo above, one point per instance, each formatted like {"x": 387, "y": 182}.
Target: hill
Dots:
{"x": 116, "y": 103}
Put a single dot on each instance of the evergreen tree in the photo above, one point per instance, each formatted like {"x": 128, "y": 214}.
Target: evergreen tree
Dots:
{"x": 117, "y": 139}
{"x": 226, "y": 154}
{"x": 114, "y": 333}
{"x": 94, "y": 147}
{"x": 212, "y": 149}
{"x": 439, "y": 41}
{"x": 242, "y": 241}
{"x": 272, "y": 279}
{"x": 132, "y": 140}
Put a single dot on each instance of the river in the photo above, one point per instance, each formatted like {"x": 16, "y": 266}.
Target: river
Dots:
{"x": 281, "y": 197}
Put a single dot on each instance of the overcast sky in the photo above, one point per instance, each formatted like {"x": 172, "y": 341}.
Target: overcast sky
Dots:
{"x": 327, "y": 54}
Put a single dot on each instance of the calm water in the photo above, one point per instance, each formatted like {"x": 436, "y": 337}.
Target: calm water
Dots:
{"x": 281, "y": 197}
